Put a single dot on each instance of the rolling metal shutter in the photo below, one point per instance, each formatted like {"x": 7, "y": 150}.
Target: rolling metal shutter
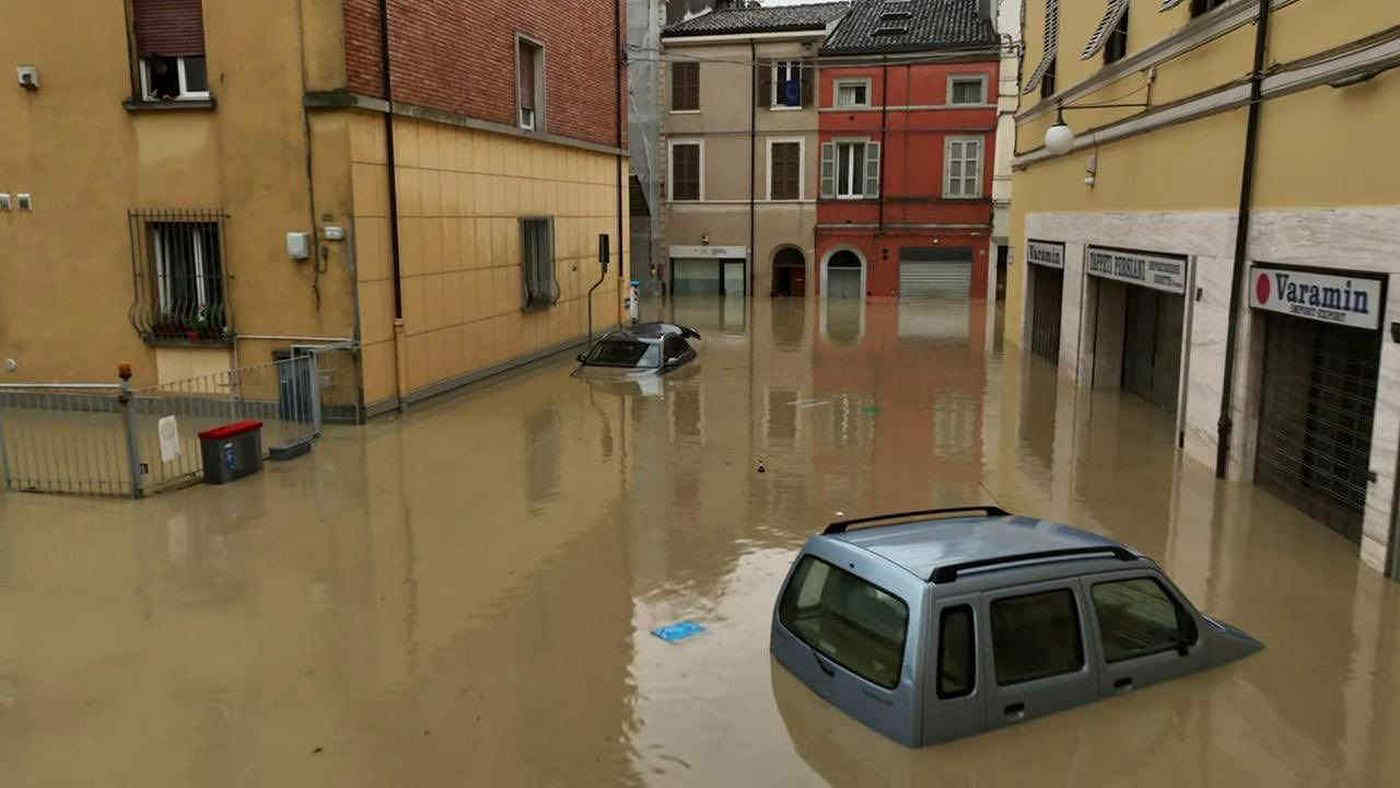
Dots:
{"x": 1047, "y": 291}
{"x": 168, "y": 28}
{"x": 935, "y": 273}
{"x": 1319, "y": 399}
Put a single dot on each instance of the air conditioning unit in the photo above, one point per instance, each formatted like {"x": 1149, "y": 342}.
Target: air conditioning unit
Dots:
{"x": 28, "y": 77}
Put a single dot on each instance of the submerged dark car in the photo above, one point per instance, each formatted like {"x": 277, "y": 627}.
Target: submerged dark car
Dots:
{"x": 932, "y": 625}
{"x": 645, "y": 347}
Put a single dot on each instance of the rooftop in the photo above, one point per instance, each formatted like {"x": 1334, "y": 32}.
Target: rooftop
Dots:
{"x": 886, "y": 26}
{"x": 923, "y": 546}
{"x": 777, "y": 19}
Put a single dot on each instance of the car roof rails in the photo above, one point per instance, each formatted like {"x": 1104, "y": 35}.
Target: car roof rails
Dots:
{"x": 949, "y": 573}
{"x": 841, "y": 526}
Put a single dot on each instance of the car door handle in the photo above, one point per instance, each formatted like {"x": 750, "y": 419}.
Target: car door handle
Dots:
{"x": 1016, "y": 711}
{"x": 827, "y": 669}
{"x": 1124, "y": 683}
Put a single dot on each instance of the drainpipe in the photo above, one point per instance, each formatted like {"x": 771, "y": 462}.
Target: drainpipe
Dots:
{"x": 386, "y": 72}
{"x": 753, "y": 164}
{"x": 619, "y": 64}
{"x": 884, "y": 130}
{"x": 1251, "y": 143}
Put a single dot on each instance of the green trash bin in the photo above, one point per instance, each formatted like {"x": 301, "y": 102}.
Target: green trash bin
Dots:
{"x": 231, "y": 451}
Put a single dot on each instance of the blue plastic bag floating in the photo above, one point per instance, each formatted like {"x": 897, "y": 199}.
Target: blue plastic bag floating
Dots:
{"x": 674, "y": 633}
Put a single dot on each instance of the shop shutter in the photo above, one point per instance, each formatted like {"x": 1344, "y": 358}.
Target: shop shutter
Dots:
{"x": 1047, "y": 294}
{"x": 934, "y": 273}
{"x": 872, "y": 169}
{"x": 168, "y": 28}
{"x": 828, "y": 169}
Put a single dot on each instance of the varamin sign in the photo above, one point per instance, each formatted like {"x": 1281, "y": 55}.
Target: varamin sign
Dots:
{"x": 1046, "y": 253}
{"x": 1343, "y": 300}
{"x": 1139, "y": 268}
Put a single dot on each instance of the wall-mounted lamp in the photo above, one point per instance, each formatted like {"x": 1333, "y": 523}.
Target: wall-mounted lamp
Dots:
{"x": 1059, "y": 138}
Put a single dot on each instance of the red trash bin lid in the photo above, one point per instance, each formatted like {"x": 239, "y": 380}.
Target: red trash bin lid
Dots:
{"x": 231, "y": 430}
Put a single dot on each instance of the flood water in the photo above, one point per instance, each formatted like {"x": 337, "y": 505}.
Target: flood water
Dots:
{"x": 462, "y": 595}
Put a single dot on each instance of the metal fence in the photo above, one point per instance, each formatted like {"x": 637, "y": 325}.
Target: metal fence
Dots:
{"x": 111, "y": 439}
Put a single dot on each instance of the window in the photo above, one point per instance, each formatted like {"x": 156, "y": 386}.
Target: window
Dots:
{"x": 962, "y": 171}
{"x": 957, "y": 653}
{"x": 685, "y": 87}
{"x": 625, "y": 353}
{"x": 787, "y": 83}
{"x": 1117, "y": 44}
{"x": 851, "y": 170}
{"x": 1137, "y": 618}
{"x": 785, "y": 170}
{"x": 529, "y": 86}
{"x": 1047, "y": 80}
{"x": 1199, "y": 7}
{"x": 686, "y": 163}
{"x": 675, "y": 348}
{"x": 537, "y": 247}
{"x": 859, "y": 626}
{"x": 967, "y": 90}
{"x": 852, "y": 92}
{"x": 169, "y": 38}
{"x": 1036, "y": 636}
{"x": 179, "y": 277}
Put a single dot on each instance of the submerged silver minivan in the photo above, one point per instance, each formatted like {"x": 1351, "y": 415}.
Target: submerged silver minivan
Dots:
{"x": 932, "y": 625}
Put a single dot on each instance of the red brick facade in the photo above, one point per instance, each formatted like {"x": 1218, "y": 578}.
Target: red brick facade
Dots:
{"x": 912, "y": 210}
{"x": 459, "y": 56}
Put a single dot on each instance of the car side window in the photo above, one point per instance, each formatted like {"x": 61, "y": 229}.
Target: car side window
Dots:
{"x": 1036, "y": 636}
{"x": 957, "y": 654}
{"x": 1138, "y": 617}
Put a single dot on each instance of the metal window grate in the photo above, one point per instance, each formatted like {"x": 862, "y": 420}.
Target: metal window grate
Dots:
{"x": 179, "y": 277}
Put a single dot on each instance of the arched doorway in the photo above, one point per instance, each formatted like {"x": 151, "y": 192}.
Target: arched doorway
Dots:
{"x": 789, "y": 272}
{"x": 843, "y": 275}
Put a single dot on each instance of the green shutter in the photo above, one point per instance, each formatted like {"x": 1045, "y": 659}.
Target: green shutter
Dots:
{"x": 828, "y": 169}
{"x": 872, "y": 169}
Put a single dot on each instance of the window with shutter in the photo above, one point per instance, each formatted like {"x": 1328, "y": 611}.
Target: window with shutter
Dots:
{"x": 1048, "y": 51}
{"x": 529, "y": 86}
{"x": 537, "y": 247}
{"x": 685, "y": 87}
{"x": 169, "y": 38}
{"x": 1108, "y": 26}
{"x": 787, "y": 84}
{"x": 828, "y": 170}
{"x": 857, "y": 170}
{"x": 962, "y": 169}
{"x": 785, "y": 164}
{"x": 872, "y": 169}
{"x": 685, "y": 171}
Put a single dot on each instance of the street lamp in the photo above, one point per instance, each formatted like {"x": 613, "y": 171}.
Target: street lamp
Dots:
{"x": 1059, "y": 138}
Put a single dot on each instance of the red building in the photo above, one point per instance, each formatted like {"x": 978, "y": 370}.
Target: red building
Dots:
{"x": 908, "y": 113}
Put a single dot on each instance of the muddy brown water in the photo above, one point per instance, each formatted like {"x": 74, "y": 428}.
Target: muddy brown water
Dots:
{"x": 463, "y": 595}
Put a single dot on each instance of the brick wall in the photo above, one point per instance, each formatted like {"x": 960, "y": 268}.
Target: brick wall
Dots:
{"x": 459, "y": 56}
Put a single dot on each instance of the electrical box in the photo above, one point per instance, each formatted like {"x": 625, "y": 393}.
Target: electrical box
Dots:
{"x": 299, "y": 246}
{"x": 28, "y": 77}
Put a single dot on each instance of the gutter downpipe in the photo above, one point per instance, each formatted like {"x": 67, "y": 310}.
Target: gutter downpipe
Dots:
{"x": 753, "y": 165}
{"x": 620, "y": 64}
{"x": 1251, "y": 143}
{"x": 884, "y": 131}
{"x": 387, "y": 73}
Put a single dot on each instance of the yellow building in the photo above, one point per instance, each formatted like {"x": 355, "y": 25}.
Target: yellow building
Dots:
{"x": 191, "y": 187}
{"x": 1180, "y": 123}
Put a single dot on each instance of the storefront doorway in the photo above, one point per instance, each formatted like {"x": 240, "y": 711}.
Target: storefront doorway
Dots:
{"x": 701, "y": 276}
{"x": 845, "y": 275}
{"x": 789, "y": 272}
{"x": 1046, "y": 277}
{"x": 1140, "y": 322}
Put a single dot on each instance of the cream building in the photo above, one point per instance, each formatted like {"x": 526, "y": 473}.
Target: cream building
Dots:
{"x": 1184, "y": 123}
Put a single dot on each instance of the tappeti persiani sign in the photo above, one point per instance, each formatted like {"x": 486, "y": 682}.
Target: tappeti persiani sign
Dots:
{"x": 1339, "y": 299}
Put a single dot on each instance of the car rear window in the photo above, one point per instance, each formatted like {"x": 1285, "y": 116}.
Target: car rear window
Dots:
{"x": 1137, "y": 618}
{"x": 625, "y": 353}
{"x": 1036, "y": 636}
{"x": 860, "y": 627}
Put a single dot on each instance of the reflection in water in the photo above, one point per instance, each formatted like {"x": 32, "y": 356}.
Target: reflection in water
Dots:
{"x": 462, "y": 594}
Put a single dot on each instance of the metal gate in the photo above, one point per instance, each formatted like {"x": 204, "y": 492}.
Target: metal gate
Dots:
{"x": 1152, "y": 329}
{"x": 1319, "y": 398}
{"x": 926, "y": 272}
{"x": 1047, "y": 290}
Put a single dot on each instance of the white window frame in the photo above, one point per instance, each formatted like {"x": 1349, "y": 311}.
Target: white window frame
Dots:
{"x": 850, "y": 83}
{"x": 185, "y": 93}
{"x": 163, "y": 270}
{"x": 948, "y": 159}
{"x": 980, "y": 78}
{"x": 773, "y": 85}
{"x": 537, "y": 120}
{"x": 801, "y": 166}
{"x": 851, "y": 147}
{"x": 671, "y": 168}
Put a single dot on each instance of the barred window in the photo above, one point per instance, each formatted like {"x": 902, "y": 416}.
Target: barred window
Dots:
{"x": 537, "y": 245}
{"x": 685, "y": 86}
{"x": 178, "y": 270}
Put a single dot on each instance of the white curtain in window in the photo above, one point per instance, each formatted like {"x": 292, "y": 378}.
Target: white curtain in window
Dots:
{"x": 1111, "y": 16}
{"x": 1052, "y": 43}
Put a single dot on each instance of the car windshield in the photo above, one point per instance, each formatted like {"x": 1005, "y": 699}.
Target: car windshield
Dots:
{"x": 859, "y": 626}
{"x": 624, "y": 353}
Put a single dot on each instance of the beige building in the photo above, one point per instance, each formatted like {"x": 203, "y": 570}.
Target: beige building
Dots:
{"x": 1205, "y": 216}
{"x": 197, "y": 186}
{"x": 738, "y": 183}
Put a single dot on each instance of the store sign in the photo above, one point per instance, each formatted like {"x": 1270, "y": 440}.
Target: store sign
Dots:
{"x": 1339, "y": 299}
{"x": 1139, "y": 268}
{"x": 714, "y": 252}
{"x": 1045, "y": 253}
